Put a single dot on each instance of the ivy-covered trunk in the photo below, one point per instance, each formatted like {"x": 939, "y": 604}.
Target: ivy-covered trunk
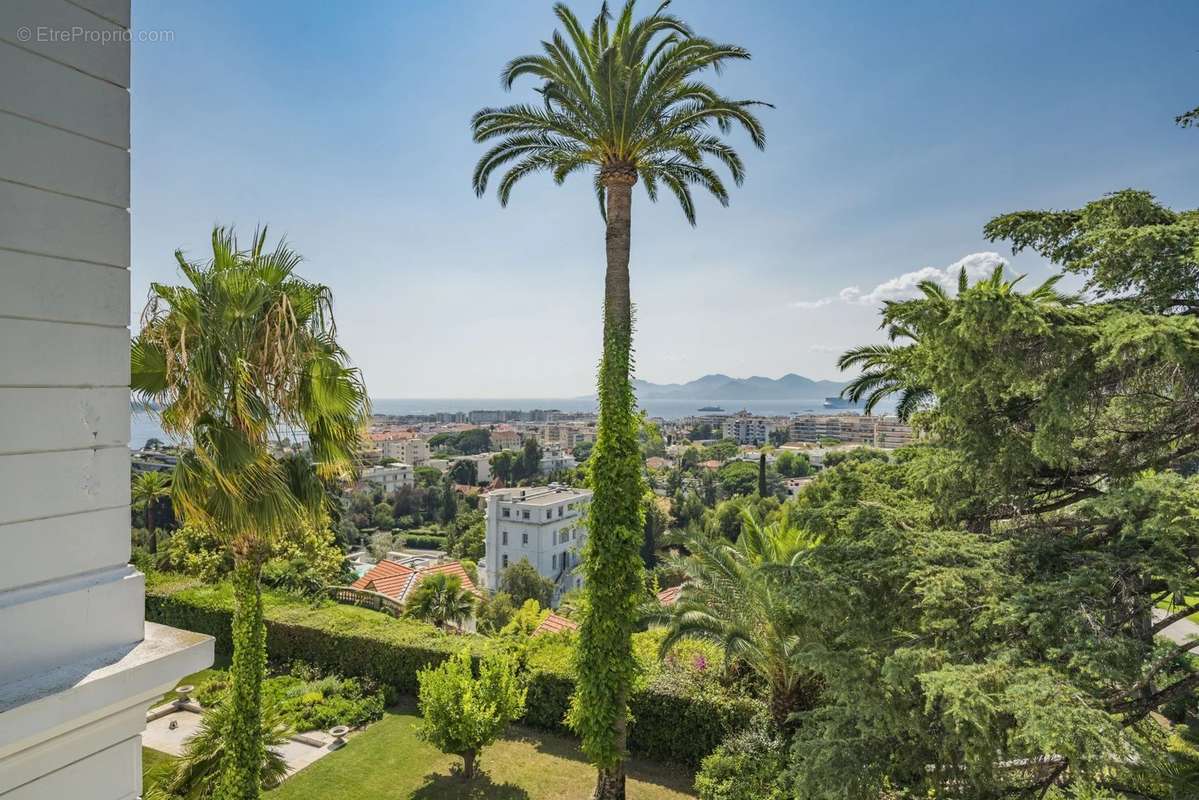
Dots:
{"x": 241, "y": 774}
{"x": 612, "y": 566}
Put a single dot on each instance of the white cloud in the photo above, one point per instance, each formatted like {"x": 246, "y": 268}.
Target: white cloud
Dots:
{"x": 906, "y": 286}
{"x": 824, "y": 301}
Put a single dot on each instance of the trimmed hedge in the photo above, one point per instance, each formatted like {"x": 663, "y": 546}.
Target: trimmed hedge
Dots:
{"x": 423, "y": 541}
{"x": 670, "y": 722}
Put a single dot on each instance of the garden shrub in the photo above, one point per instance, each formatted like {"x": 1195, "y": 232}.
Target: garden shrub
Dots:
{"x": 748, "y": 765}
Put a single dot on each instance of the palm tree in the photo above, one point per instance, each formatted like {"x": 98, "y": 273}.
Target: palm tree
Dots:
{"x": 196, "y": 774}
{"x": 242, "y": 350}
{"x": 734, "y": 595}
{"x": 889, "y": 369}
{"x": 147, "y": 490}
{"x": 440, "y": 599}
{"x": 623, "y": 101}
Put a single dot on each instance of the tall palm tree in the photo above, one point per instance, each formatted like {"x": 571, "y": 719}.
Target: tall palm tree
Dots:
{"x": 244, "y": 349}
{"x": 147, "y": 490}
{"x": 623, "y": 101}
{"x": 735, "y": 596}
{"x": 441, "y": 600}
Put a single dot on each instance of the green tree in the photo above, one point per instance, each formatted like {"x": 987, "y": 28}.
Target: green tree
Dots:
{"x": 426, "y": 476}
{"x": 503, "y": 466}
{"x": 474, "y": 440}
{"x": 465, "y": 471}
{"x": 246, "y": 347}
{"x": 441, "y": 600}
{"x": 522, "y": 582}
{"x": 383, "y": 517}
{"x": 494, "y": 612}
{"x": 733, "y": 596}
{"x": 623, "y": 101}
{"x": 529, "y": 463}
{"x": 148, "y": 490}
{"x": 449, "y": 502}
{"x": 793, "y": 465}
{"x": 738, "y": 478}
{"x": 462, "y": 714}
{"x": 722, "y": 450}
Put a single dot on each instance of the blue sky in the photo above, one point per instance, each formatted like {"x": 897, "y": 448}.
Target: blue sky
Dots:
{"x": 899, "y": 130}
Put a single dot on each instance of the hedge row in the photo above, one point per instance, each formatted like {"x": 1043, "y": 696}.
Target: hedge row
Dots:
{"x": 669, "y": 724}
{"x": 425, "y": 541}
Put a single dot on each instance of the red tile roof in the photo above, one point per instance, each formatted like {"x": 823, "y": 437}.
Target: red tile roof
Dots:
{"x": 555, "y": 624}
{"x": 668, "y": 597}
{"x": 387, "y": 577}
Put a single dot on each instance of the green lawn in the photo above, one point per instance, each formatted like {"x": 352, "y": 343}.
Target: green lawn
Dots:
{"x": 1187, "y": 601}
{"x": 387, "y": 762}
{"x": 151, "y": 759}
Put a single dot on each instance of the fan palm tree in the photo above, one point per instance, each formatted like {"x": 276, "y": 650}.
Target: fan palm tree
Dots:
{"x": 243, "y": 349}
{"x": 622, "y": 100}
{"x": 735, "y": 596}
{"x": 441, "y": 600}
{"x": 147, "y": 490}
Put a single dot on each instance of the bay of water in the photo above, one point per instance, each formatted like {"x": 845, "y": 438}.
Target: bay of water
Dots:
{"x": 145, "y": 425}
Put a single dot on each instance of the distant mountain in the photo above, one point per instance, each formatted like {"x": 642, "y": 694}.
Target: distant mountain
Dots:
{"x": 722, "y": 388}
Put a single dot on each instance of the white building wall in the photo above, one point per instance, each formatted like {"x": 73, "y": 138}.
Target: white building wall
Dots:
{"x": 546, "y": 548}
{"x": 78, "y": 662}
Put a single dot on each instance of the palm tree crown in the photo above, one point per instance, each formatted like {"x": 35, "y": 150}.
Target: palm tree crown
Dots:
{"x": 889, "y": 369}
{"x": 441, "y": 600}
{"x": 243, "y": 349}
{"x": 622, "y": 99}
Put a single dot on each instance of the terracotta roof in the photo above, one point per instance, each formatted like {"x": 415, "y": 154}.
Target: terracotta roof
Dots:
{"x": 555, "y": 624}
{"x": 387, "y": 577}
{"x": 453, "y": 568}
{"x": 668, "y": 597}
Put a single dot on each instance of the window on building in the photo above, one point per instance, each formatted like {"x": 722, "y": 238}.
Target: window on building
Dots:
{"x": 561, "y": 510}
{"x": 524, "y": 538}
{"x": 554, "y": 561}
{"x": 504, "y": 561}
{"x": 524, "y": 514}
{"x": 504, "y": 538}
{"x": 505, "y": 512}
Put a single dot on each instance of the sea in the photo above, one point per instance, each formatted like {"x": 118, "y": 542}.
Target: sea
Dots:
{"x": 145, "y": 424}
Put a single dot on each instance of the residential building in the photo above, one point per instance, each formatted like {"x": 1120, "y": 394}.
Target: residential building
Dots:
{"x": 80, "y": 664}
{"x": 552, "y": 461}
{"x": 410, "y": 450}
{"x": 390, "y": 477}
{"x": 542, "y": 524}
{"x": 745, "y": 429}
{"x": 504, "y": 437}
{"x": 883, "y": 431}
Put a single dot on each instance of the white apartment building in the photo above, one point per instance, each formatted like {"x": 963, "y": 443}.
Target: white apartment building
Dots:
{"x": 79, "y": 664}
{"x": 543, "y": 524}
{"x": 390, "y": 478}
{"x": 884, "y": 431}
{"x": 744, "y": 429}
{"x": 553, "y": 461}
{"x": 413, "y": 450}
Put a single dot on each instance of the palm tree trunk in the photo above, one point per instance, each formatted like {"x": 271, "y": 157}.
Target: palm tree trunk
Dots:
{"x": 613, "y": 569}
{"x": 241, "y": 777}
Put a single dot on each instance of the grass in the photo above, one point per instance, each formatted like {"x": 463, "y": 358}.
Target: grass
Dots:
{"x": 387, "y": 761}
{"x": 1189, "y": 600}
{"x": 151, "y": 759}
